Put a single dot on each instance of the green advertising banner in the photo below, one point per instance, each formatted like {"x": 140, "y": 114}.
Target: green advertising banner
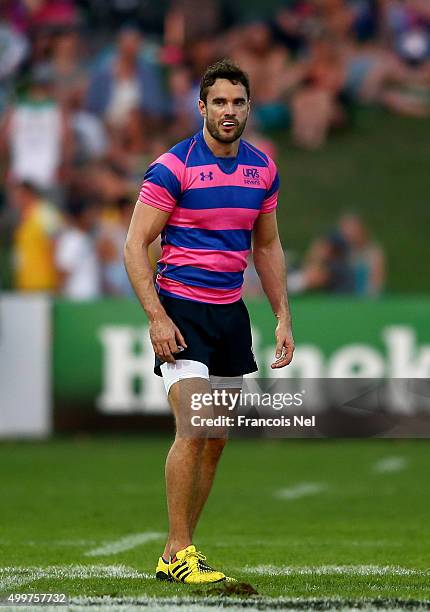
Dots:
{"x": 103, "y": 360}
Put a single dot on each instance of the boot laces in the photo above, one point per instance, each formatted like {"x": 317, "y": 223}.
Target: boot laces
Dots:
{"x": 196, "y": 561}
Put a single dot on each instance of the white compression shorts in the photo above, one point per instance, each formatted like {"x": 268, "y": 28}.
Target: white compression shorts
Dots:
{"x": 187, "y": 368}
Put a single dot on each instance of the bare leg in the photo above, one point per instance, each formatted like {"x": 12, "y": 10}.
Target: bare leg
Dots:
{"x": 211, "y": 456}
{"x": 196, "y": 475}
{"x": 312, "y": 115}
{"x": 404, "y": 103}
{"x": 209, "y": 459}
{"x": 183, "y": 464}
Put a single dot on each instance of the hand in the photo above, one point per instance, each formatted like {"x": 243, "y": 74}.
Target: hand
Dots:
{"x": 166, "y": 338}
{"x": 284, "y": 345}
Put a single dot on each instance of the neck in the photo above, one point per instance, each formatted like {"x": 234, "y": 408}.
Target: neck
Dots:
{"x": 126, "y": 65}
{"x": 221, "y": 149}
{"x": 28, "y": 206}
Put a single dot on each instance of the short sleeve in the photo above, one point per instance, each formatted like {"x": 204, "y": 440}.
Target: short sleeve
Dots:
{"x": 161, "y": 185}
{"x": 270, "y": 201}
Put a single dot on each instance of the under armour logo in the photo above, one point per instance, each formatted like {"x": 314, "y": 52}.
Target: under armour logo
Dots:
{"x": 209, "y": 175}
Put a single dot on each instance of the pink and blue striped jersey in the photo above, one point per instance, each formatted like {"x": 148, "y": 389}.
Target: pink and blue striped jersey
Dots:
{"x": 213, "y": 204}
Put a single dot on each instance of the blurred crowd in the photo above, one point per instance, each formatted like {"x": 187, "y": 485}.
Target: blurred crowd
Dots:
{"x": 346, "y": 260}
{"x": 91, "y": 91}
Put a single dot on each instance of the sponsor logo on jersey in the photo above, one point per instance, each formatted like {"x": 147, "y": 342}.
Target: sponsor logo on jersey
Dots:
{"x": 252, "y": 176}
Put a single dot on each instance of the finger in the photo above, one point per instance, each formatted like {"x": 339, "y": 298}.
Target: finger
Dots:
{"x": 285, "y": 357}
{"x": 280, "y": 363}
{"x": 180, "y": 338}
{"x": 167, "y": 353}
{"x": 173, "y": 346}
{"x": 279, "y": 349}
{"x": 158, "y": 350}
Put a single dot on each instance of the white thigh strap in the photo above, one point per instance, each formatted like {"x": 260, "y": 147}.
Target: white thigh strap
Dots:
{"x": 182, "y": 368}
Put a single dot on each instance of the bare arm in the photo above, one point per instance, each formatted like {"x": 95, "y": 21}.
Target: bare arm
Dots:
{"x": 269, "y": 262}
{"x": 377, "y": 272}
{"x": 146, "y": 224}
{"x": 5, "y": 129}
{"x": 67, "y": 143}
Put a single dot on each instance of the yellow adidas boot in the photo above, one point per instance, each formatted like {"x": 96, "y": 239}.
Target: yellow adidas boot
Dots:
{"x": 162, "y": 570}
{"x": 189, "y": 566}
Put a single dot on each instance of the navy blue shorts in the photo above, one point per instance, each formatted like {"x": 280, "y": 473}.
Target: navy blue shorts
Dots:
{"x": 218, "y": 335}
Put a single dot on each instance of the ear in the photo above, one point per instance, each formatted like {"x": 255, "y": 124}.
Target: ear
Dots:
{"x": 202, "y": 108}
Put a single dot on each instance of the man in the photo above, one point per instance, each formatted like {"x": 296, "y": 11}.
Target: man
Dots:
{"x": 205, "y": 196}
{"x": 34, "y": 239}
{"x": 76, "y": 253}
{"x": 36, "y": 133}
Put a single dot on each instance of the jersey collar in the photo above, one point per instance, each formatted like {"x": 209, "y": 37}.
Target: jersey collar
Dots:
{"x": 227, "y": 165}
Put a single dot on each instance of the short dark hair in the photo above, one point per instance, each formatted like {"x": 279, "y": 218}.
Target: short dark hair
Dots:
{"x": 77, "y": 206}
{"x": 30, "y": 187}
{"x": 224, "y": 69}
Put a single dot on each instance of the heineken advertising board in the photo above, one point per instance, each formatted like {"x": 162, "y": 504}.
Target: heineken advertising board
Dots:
{"x": 103, "y": 359}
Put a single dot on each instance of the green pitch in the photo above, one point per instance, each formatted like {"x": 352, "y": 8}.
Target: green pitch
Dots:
{"x": 320, "y": 520}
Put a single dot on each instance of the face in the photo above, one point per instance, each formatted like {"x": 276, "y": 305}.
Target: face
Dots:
{"x": 21, "y": 196}
{"x": 257, "y": 36}
{"x": 129, "y": 42}
{"x": 353, "y": 229}
{"x": 226, "y": 110}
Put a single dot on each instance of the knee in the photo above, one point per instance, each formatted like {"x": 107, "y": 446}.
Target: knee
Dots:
{"x": 215, "y": 446}
{"x": 193, "y": 446}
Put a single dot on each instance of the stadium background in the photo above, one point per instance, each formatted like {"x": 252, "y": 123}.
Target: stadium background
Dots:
{"x": 84, "y": 505}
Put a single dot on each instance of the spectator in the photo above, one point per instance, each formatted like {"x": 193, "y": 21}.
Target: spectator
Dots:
{"x": 37, "y": 132}
{"x": 95, "y": 127}
{"x": 326, "y": 267}
{"x": 126, "y": 83}
{"x": 76, "y": 255}
{"x": 89, "y": 132}
{"x": 184, "y": 109}
{"x": 266, "y": 63}
{"x": 67, "y": 65}
{"x": 125, "y": 90}
{"x": 49, "y": 13}
{"x": 408, "y": 28}
{"x": 183, "y": 18}
{"x": 200, "y": 53}
{"x": 366, "y": 257}
{"x": 34, "y": 239}
{"x": 13, "y": 50}
{"x": 110, "y": 246}
{"x": 317, "y": 106}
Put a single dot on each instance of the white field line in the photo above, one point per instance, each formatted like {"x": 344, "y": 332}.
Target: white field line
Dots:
{"x": 61, "y": 543}
{"x": 302, "y": 489}
{"x": 390, "y": 464}
{"x": 18, "y": 576}
{"x": 123, "y": 544}
{"x": 196, "y": 604}
{"x": 11, "y": 577}
{"x": 334, "y": 570}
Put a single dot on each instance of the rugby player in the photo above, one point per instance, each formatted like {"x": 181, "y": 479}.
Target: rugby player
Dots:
{"x": 209, "y": 196}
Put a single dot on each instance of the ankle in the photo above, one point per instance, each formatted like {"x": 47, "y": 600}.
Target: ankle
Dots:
{"x": 166, "y": 551}
{"x": 179, "y": 545}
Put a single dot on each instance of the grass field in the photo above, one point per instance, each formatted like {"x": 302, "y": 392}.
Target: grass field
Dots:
{"x": 306, "y": 523}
